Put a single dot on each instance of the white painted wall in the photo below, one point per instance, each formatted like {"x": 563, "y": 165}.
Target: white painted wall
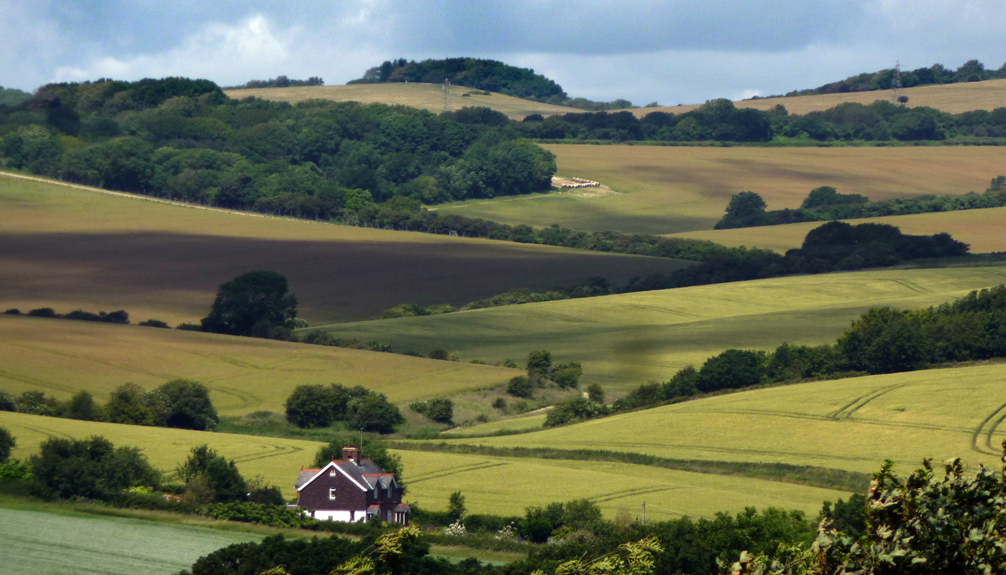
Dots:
{"x": 322, "y": 515}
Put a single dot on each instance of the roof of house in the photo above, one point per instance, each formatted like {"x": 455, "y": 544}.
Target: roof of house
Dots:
{"x": 366, "y": 476}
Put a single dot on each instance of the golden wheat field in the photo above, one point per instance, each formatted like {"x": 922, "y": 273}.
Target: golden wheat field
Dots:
{"x": 416, "y": 95}
{"x": 984, "y": 230}
{"x": 852, "y": 424}
{"x": 244, "y": 375}
{"x": 625, "y": 340}
{"x": 951, "y": 98}
{"x": 490, "y": 485}
{"x": 663, "y": 190}
{"x": 69, "y": 248}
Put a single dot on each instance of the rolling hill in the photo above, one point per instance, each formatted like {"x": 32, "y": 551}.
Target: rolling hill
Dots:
{"x": 73, "y": 247}
{"x": 951, "y": 98}
{"x": 984, "y": 230}
{"x": 491, "y": 485}
{"x": 852, "y": 424}
{"x": 663, "y": 190}
{"x": 244, "y": 375}
{"x": 626, "y": 340}
{"x": 424, "y": 96}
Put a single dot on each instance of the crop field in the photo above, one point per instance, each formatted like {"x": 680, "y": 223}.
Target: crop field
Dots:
{"x": 244, "y": 375}
{"x": 490, "y": 485}
{"x": 70, "y": 248}
{"x": 45, "y": 541}
{"x": 275, "y": 459}
{"x": 984, "y": 230}
{"x": 851, "y": 424}
{"x": 625, "y": 340}
{"x": 952, "y": 98}
{"x": 663, "y": 190}
{"x": 416, "y": 95}
{"x": 506, "y": 485}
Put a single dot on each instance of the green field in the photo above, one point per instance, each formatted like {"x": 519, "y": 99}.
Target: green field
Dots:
{"x": 491, "y": 485}
{"x": 851, "y": 424}
{"x": 417, "y": 95}
{"x": 984, "y": 230}
{"x": 70, "y": 248}
{"x": 626, "y": 340}
{"x": 663, "y": 190}
{"x": 45, "y": 541}
{"x": 244, "y": 375}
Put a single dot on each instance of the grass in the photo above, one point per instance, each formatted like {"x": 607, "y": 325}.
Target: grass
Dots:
{"x": 71, "y": 248}
{"x": 952, "y": 98}
{"x": 505, "y": 485}
{"x": 663, "y": 190}
{"x": 853, "y": 424}
{"x": 626, "y": 340}
{"x": 44, "y": 540}
{"x": 424, "y": 96}
{"x": 984, "y": 230}
{"x": 244, "y": 375}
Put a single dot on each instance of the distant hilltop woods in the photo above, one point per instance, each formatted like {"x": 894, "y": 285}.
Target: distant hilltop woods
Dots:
{"x": 488, "y": 75}
{"x": 278, "y": 82}
{"x": 970, "y": 71}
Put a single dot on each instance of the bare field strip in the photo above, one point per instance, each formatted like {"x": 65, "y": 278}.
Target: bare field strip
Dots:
{"x": 89, "y": 543}
{"x": 416, "y": 95}
{"x": 490, "y": 485}
{"x": 244, "y": 375}
{"x": 68, "y": 248}
{"x": 984, "y": 230}
{"x": 663, "y": 190}
{"x": 851, "y": 424}
{"x": 952, "y": 98}
{"x": 626, "y": 340}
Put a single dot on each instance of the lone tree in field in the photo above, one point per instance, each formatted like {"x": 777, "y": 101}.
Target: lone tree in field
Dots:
{"x": 256, "y": 304}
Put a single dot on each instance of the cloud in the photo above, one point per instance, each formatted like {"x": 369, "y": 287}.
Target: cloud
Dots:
{"x": 218, "y": 50}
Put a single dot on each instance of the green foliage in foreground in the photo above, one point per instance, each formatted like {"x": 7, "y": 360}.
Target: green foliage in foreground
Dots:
{"x": 923, "y": 524}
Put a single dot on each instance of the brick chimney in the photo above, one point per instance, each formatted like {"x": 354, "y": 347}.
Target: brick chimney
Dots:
{"x": 351, "y": 453}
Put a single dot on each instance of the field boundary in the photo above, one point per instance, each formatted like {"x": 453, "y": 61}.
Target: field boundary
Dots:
{"x": 810, "y": 476}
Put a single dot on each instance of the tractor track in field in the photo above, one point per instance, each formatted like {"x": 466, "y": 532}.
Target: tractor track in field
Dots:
{"x": 855, "y": 405}
{"x": 995, "y": 418}
{"x": 457, "y": 470}
{"x": 631, "y": 493}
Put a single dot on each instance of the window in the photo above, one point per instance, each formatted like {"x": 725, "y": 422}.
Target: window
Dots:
{"x": 331, "y": 494}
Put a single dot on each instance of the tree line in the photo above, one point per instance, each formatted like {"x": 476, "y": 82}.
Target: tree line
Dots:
{"x": 480, "y": 74}
{"x": 185, "y": 140}
{"x": 278, "y": 82}
{"x": 179, "y": 403}
{"x": 882, "y": 340}
{"x": 748, "y": 209}
{"x": 970, "y": 71}
{"x": 721, "y": 121}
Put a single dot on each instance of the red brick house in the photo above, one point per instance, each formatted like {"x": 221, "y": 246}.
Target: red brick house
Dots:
{"x": 351, "y": 489}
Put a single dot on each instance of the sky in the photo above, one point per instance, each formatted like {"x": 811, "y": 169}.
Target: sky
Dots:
{"x": 668, "y": 51}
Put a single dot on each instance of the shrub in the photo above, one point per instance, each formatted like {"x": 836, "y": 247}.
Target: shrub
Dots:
{"x": 43, "y": 312}
{"x": 498, "y": 403}
{"x": 7, "y": 443}
{"x": 539, "y": 362}
{"x": 155, "y": 323}
{"x": 189, "y": 327}
{"x": 92, "y": 468}
{"x": 13, "y": 311}
{"x": 83, "y": 407}
{"x": 567, "y": 375}
{"x": 189, "y": 405}
{"x": 595, "y": 393}
{"x": 520, "y": 386}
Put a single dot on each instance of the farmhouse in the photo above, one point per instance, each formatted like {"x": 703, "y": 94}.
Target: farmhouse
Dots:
{"x": 351, "y": 489}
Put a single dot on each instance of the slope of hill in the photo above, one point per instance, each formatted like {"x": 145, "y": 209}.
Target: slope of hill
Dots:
{"x": 984, "y": 230}
{"x": 626, "y": 340}
{"x": 661, "y": 190}
{"x": 851, "y": 424}
{"x": 70, "y": 248}
{"x": 424, "y": 96}
{"x": 490, "y": 485}
{"x": 951, "y": 98}
{"x": 244, "y": 375}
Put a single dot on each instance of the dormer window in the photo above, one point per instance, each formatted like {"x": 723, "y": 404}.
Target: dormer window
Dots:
{"x": 331, "y": 494}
